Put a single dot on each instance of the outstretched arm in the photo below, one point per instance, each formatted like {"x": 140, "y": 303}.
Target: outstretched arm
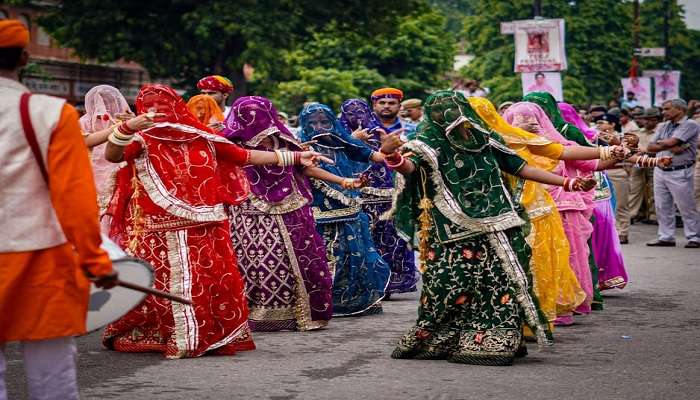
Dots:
{"x": 322, "y": 174}
{"x": 390, "y": 146}
{"x": 569, "y": 184}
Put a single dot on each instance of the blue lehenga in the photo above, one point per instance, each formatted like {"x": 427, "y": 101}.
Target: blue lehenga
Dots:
{"x": 376, "y": 201}
{"x": 360, "y": 273}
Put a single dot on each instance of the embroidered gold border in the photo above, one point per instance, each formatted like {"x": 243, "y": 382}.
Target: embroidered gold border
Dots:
{"x": 509, "y": 260}
{"x": 185, "y": 329}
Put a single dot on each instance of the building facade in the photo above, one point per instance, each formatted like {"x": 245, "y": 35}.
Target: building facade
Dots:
{"x": 57, "y": 71}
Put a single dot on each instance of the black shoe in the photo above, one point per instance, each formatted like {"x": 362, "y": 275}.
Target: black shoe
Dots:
{"x": 624, "y": 240}
{"x": 661, "y": 243}
{"x": 692, "y": 245}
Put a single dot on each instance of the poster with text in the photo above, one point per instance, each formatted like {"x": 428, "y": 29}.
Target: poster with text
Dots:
{"x": 549, "y": 82}
{"x": 667, "y": 85}
{"x": 641, "y": 87}
{"x": 539, "y": 45}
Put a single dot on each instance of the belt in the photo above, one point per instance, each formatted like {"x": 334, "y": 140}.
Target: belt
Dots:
{"x": 677, "y": 167}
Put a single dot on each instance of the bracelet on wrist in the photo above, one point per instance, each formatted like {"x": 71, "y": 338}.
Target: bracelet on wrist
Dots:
{"x": 119, "y": 141}
{"x": 125, "y": 129}
{"x": 395, "y": 162}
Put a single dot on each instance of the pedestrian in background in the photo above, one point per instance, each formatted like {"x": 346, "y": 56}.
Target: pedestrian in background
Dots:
{"x": 675, "y": 184}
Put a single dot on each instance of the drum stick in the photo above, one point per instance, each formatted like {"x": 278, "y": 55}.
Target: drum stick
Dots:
{"x": 154, "y": 292}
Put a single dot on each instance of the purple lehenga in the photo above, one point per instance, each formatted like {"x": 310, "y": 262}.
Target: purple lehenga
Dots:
{"x": 376, "y": 200}
{"x": 281, "y": 256}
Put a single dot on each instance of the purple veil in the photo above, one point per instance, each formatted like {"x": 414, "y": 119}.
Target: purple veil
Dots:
{"x": 253, "y": 123}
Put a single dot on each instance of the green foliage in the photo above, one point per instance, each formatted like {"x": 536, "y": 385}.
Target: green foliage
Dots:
{"x": 329, "y": 86}
{"x": 414, "y": 57}
{"x": 348, "y": 47}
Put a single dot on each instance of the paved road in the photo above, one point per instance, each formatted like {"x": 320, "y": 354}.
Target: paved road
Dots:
{"x": 645, "y": 345}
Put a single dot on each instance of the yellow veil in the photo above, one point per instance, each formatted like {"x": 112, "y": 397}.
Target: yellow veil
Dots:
{"x": 518, "y": 139}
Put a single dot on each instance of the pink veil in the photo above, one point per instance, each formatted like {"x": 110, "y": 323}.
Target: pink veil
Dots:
{"x": 102, "y": 104}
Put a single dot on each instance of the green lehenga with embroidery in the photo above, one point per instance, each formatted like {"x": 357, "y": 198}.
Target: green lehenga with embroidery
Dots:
{"x": 477, "y": 290}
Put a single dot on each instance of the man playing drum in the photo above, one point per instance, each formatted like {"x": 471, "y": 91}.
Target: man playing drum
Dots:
{"x": 51, "y": 236}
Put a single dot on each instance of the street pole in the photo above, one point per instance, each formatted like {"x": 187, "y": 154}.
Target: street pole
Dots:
{"x": 633, "y": 71}
{"x": 537, "y": 8}
{"x": 667, "y": 11}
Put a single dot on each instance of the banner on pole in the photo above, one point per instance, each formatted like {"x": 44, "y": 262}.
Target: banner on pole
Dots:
{"x": 539, "y": 45}
{"x": 667, "y": 85}
{"x": 641, "y": 87}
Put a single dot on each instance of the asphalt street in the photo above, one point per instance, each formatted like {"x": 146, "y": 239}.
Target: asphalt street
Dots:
{"x": 644, "y": 345}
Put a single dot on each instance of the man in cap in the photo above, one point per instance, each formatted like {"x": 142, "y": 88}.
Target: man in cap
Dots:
{"x": 219, "y": 88}
{"x": 641, "y": 195}
{"x": 674, "y": 184}
{"x": 413, "y": 109}
{"x": 386, "y": 103}
{"x": 50, "y": 230}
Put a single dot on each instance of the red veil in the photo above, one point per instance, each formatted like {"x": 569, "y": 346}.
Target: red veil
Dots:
{"x": 176, "y": 164}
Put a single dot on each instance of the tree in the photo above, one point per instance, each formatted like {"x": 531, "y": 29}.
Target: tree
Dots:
{"x": 414, "y": 57}
{"x": 183, "y": 40}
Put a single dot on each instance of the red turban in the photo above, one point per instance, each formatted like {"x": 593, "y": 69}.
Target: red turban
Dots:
{"x": 387, "y": 93}
{"x": 216, "y": 83}
{"x": 13, "y": 34}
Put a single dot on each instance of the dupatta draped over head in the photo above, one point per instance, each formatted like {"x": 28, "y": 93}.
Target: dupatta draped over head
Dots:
{"x": 570, "y": 115}
{"x": 466, "y": 183}
{"x": 525, "y": 111}
{"x": 176, "y": 163}
{"x": 549, "y": 105}
{"x": 205, "y": 109}
{"x": 254, "y": 124}
{"x": 102, "y": 104}
{"x": 516, "y": 138}
{"x": 332, "y": 202}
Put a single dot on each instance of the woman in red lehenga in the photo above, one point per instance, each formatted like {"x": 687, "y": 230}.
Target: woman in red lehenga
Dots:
{"x": 168, "y": 208}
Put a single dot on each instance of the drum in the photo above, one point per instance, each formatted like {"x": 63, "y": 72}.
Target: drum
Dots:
{"x": 107, "y": 306}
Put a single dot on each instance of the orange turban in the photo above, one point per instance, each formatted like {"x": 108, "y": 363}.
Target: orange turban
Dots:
{"x": 216, "y": 83}
{"x": 390, "y": 93}
{"x": 205, "y": 109}
{"x": 13, "y": 34}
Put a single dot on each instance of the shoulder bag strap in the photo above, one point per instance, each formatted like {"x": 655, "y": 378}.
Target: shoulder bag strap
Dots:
{"x": 31, "y": 135}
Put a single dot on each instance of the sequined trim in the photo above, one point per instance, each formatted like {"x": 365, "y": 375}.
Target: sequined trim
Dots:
{"x": 302, "y": 305}
{"x": 255, "y": 140}
{"x": 290, "y": 203}
{"x": 500, "y": 243}
{"x": 160, "y": 195}
{"x": 333, "y": 194}
{"x": 539, "y": 212}
{"x": 386, "y": 193}
{"x": 262, "y": 313}
{"x": 185, "y": 330}
{"x": 340, "y": 213}
{"x": 183, "y": 128}
{"x": 446, "y": 203}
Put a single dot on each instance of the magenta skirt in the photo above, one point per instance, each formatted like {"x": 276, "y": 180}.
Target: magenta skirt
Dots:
{"x": 606, "y": 248}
